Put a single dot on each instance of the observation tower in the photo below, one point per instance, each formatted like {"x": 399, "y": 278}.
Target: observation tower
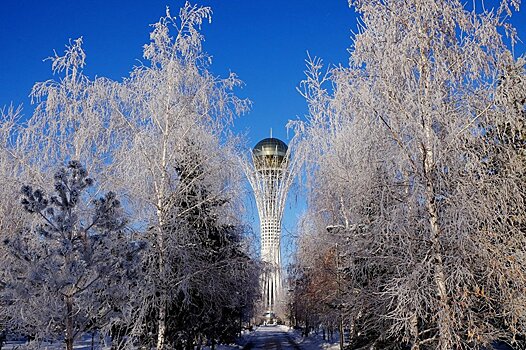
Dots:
{"x": 270, "y": 173}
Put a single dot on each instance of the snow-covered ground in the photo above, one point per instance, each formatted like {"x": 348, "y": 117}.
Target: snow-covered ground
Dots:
{"x": 313, "y": 341}
{"x": 85, "y": 343}
{"x": 283, "y": 337}
{"x": 264, "y": 337}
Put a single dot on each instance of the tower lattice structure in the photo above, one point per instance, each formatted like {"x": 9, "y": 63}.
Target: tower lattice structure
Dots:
{"x": 270, "y": 174}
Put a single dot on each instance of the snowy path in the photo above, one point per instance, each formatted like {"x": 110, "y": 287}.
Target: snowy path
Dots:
{"x": 271, "y": 338}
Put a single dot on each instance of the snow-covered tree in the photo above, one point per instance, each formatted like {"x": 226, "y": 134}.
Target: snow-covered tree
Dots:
{"x": 72, "y": 118}
{"x": 160, "y": 139}
{"x": 70, "y": 270}
{"x": 12, "y": 219}
{"x": 405, "y": 151}
{"x": 70, "y": 122}
{"x": 221, "y": 278}
{"x": 317, "y": 280}
{"x": 177, "y": 168}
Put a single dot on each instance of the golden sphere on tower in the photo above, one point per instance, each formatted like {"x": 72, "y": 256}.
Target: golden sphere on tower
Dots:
{"x": 269, "y": 154}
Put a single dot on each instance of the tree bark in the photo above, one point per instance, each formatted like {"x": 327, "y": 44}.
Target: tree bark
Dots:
{"x": 428, "y": 157}
{"x": 69, "y": 323}
{"x": 161, "y": 319}
{"x": 444, "y": 321}
{"x": 161, "y": 192}
{"x": 340, "y": 329}
{"x": 414, "y": 333}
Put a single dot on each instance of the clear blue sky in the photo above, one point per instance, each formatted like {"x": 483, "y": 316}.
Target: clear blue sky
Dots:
{"x": 263, "y": 41}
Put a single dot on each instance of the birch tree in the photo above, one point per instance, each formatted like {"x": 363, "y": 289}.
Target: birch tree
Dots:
{"x": 72, "y": 118}
{"x": 403, "y": 144}
{"x": 160, "y": 139}
{"x": 174, "y": 152}
{"x": 12, "y": 219}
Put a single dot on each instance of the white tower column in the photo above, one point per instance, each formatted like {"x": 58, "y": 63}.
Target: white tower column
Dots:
{"x": 271, "y": 256}
{"x": 270, "y": 174}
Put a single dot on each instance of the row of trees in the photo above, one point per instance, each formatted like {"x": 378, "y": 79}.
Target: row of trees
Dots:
{"x": 139, "y": 236}
{"x": 415, "y": 235}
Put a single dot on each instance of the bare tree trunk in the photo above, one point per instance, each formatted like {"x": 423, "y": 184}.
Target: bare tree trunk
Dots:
{"x": 161, "y": 328}
{"x": 340, "y": 329}
{"x": 161, "y": 318}
{"x": 69, "y": 323}
{"x": 440, "y": 281}
{"x": 428, "y": 155}
{"x": 352, "y": 328}
{"x": 161, "y": 331}
{"x": 414, "y": 333}
{"x": 439, "y": 275}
